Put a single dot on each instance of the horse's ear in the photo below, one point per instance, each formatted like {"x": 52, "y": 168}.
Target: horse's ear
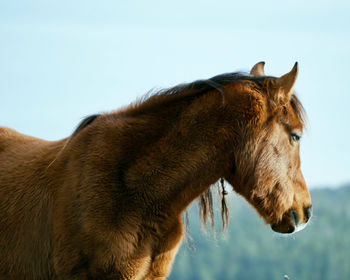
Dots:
{"x": 258, "y": 69}
{"x": 286, "y": 82}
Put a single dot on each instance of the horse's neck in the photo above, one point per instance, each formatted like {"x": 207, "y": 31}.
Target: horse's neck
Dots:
{"x": 183, "y": 161}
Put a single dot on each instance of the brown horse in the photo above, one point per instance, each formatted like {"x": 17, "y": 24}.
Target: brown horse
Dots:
{"x": 106, "y": 202}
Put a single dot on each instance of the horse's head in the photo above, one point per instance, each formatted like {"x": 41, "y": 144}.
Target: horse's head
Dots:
{"x": 266, "y": 168}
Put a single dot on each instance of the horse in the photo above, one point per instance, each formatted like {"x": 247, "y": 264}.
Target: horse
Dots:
{"x": 107, "y": 202}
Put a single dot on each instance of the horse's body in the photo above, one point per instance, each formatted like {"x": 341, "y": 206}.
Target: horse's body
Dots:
{"x": 106, "y": 203}
{"x": 26, "y": 207}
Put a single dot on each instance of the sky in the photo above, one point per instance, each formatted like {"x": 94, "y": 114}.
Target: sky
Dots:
{"x": 63, "y": 60}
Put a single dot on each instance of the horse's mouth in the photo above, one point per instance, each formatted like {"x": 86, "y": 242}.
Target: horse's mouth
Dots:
{"x": 291, "y": 222}
{"x": 283, "y": 228}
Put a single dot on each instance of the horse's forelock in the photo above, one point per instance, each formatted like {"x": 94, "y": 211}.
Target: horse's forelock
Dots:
{"x": 299, "y": 109}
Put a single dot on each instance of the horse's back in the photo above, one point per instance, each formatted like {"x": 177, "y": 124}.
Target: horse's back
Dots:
{"x": 8, "y": 134}
{"x": 25, "y": 207}
{"x": 12, "y": 141}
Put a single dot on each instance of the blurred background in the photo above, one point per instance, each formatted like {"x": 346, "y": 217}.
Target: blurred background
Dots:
{"x": 63, "y": 60}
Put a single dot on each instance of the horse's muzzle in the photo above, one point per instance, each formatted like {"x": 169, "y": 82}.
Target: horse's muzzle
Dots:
{"x": 292, "y": 222}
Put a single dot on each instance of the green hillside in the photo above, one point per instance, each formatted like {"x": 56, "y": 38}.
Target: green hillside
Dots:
{"x": 251, "y": 250}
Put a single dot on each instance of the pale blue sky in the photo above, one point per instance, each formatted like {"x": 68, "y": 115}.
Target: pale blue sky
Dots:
{"x": 63, "y": 60}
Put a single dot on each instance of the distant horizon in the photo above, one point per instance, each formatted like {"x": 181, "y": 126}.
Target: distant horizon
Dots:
{"x": 331, "y": 187}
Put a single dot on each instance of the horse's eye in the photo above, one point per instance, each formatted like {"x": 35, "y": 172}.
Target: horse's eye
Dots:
{"x": 295, "y": 137}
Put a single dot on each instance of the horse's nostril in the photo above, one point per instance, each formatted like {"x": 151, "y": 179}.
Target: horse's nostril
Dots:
{"x": 308, "y": 212}
{"x": 294, "y": 217}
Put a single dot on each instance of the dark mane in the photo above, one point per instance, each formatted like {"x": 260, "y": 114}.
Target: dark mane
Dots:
{"x": 84, "y": 123}
{"x": 154, "y": 100}
{"x": 165, "y": 97}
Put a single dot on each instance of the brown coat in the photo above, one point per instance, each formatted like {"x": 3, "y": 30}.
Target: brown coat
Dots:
{"x": 106, "y": 203}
